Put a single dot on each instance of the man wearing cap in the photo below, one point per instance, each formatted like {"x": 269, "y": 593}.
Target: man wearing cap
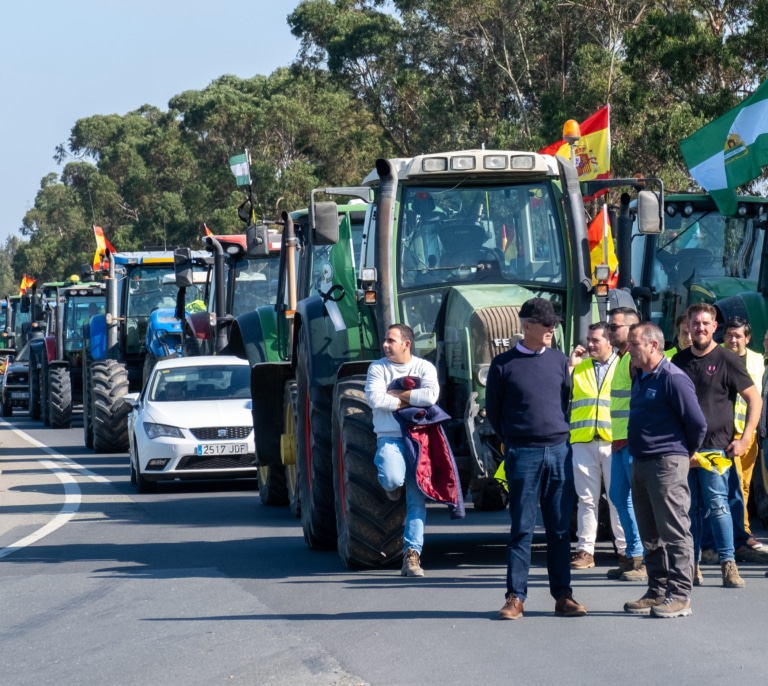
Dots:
{"x": 527, "y": 396}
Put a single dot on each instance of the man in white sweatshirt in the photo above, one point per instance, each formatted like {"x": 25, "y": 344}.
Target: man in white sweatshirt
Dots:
{"x": 398, "y": 362}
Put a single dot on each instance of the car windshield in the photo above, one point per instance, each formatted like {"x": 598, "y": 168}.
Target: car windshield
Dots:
{"x": 501, "y": 234}
{"x": 201, "y": 383}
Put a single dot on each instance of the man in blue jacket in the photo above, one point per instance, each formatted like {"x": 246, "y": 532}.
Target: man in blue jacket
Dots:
{"x": 666, "y": 428}
{"x": 527, "y": 397}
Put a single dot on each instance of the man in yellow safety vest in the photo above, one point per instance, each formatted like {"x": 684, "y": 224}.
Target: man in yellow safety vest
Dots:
{"x": 592, "y": 368}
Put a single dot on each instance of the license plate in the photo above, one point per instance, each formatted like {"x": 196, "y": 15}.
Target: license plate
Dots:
{"x": 20, "y": 395}
{"x": 222, "y": 449}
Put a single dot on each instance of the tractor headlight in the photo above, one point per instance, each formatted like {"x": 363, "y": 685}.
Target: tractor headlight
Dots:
{"x": 482, "y": 374}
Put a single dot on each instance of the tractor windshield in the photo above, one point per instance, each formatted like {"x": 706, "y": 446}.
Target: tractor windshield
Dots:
{"x": 79, "y": 313}
{"x": 701, "y": 257}
{"x": 255, "y": 283}
{"x": 495, "y": 234}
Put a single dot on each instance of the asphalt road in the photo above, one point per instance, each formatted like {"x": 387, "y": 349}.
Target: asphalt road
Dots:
{"x": 201, "y": 584}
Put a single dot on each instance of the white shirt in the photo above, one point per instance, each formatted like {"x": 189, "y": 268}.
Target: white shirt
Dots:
{"x": 380, "y": 376}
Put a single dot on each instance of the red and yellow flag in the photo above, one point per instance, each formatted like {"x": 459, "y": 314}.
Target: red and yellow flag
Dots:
{"x": 26, "y": 283}
{"x": 592, "y": 150}
{"x": 102, "y": 245}
{"x": 601, "y": 249}
{"x": 208, "y": 232}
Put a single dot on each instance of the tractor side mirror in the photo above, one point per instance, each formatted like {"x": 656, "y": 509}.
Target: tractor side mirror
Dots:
{"x": 257, "y": 240}
{"x": 326, "y": 223}
{"x": 182, "y": 267}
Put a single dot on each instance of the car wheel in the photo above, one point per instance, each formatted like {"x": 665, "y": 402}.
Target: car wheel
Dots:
{"x": 143, "y": 485}
{"x": 131, "y": 458}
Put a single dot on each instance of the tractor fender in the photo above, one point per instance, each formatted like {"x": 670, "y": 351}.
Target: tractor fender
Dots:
{"x": 97, "y": 335}
{"x": 199, "y": 325}
{"x": 50, "y": 347}
{"x": 267, "y": 391}
{"x": 751, "y": 306}
{"x": 253, "y": 337}
{"x": 328, "y": 348}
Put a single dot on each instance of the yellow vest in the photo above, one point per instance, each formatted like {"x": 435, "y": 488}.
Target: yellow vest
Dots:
{"x": 621, "y": 388}
{"x": 755, "y": 368}
{"x": 669, "y": 354}
{"x": 590, "y": 407}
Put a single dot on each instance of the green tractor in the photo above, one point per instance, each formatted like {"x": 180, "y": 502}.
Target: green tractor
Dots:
{"x": 452, "y": 245}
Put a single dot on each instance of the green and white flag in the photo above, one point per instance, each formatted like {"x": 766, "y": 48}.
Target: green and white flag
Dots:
{"x": 239, "y": 166}
{"x": 731, "y": 150}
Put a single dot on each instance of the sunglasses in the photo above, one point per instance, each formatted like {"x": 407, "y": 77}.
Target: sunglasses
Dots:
{"x": 616, "y": 327}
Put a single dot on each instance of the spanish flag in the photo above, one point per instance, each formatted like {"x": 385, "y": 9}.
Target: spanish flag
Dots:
{"x": 593, "y": 149}
{"x": 601, "y": 249}
{"x": 26, "y": 283}
{"x": 208, "y": 232}
{"x": 102, "y": 245}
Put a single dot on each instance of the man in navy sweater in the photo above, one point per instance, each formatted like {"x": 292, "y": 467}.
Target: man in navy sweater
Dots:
{"x": 666, "y": 428}
{"x": 527, "y": 396}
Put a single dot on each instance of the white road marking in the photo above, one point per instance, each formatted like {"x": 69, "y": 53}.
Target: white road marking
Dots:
{"x": 72, "y": 493}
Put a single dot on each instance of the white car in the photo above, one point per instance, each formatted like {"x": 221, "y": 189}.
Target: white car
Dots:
{"x": 193, "y": 420}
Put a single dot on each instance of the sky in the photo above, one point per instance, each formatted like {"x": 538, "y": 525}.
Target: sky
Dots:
{"x": 64, "y": 60}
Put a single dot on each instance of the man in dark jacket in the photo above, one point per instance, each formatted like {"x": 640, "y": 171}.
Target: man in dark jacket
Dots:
{"x": 527, "y": 396}
{"x": 666, "y": 428}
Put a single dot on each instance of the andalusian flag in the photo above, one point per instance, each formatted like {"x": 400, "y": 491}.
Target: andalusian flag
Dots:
{"x": 731, "y": 150}
{"x": 593, "y": 149}
{"x": 601, "y": 249}
{"x": 239, "y": 166}
{"x": 26, "y": 283}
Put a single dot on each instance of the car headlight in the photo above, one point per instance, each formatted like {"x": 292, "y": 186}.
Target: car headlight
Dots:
{"x": 162, "y": 431}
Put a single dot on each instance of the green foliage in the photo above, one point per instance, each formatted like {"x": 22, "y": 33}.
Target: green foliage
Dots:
{"x": 380, "y": 78}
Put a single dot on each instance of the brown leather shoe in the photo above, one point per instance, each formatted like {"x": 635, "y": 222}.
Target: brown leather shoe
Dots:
{"x": 513, "y": 608}
{"x": 582, "y": 560}
{"x": 566, "y": 606}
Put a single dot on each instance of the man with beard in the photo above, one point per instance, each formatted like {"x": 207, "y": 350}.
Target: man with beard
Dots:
{"x": 718, "y": 376}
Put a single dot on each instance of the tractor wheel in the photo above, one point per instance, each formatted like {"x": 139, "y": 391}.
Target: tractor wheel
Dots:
{"x": 110, "y": 413}
{"x": 59, "y": 398}
{"x": 370, "y": 525}
{"x": 313, "y": 456}
{"x": 288, "y": 447}
{"x": 34, "y": 385}
{"x": 488, "y": 494}
{"x": 87, "y": 401}
{"x": 272, "y": 489}
{"x": 45, "y": 398}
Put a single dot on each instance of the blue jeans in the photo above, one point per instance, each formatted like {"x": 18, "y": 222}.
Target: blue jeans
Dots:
{"x": 620, "y": 494}
{"x": 390, "y": 463}
{"x": 709, "y": 499}
{"x": 539, "y": 476}
{"x": 737, "y": 507}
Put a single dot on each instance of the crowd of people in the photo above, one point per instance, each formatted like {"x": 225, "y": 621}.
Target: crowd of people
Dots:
{"x": 671, "y": 436}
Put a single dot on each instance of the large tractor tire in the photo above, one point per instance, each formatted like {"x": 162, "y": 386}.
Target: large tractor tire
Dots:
{"x": 272, "y": 488}
{"x": 288, "y": 447}
{"x": 370, "y": 525}
{"x": 45, "y": 399}
{"x": 87, "y": 401}
{"x": 110, "y": 413}
{"x": 313, "y": 456}
{"x": 59, "y": 397}
{"x": 34, "y": 385}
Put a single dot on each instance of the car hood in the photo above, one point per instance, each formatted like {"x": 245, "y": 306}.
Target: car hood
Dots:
{"x": 193, "y": 414}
